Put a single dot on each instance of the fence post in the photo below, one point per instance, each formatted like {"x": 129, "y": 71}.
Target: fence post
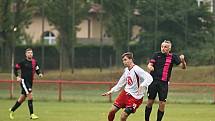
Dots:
{"x": 59, "y": 90}
{"x": 214, "y": 95}
{"x": 11, "y": 89}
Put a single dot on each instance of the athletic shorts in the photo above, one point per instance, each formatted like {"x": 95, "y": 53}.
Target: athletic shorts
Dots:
{"x": 26, "y": 87}
{"x": 126, "y": 100}
{"x": 160, "y": 87}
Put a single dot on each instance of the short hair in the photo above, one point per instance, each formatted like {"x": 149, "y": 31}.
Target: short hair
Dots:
{"x": 168, "y": 42}
{"x": 129, "y": 55}
{"x": 28, "y": 49}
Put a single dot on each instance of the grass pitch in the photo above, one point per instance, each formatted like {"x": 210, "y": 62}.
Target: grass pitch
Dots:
{"x": 82, "y": 111}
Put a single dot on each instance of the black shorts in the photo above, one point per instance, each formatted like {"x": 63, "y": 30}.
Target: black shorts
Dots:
{"x": 159, "y": 87}
{"x": 26, "y": 87}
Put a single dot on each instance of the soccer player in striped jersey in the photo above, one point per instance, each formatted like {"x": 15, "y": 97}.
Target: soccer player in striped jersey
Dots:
{"x": 28, "y": 68}
{"x": 160, "y": 67}
{"x": 136, "y": 82}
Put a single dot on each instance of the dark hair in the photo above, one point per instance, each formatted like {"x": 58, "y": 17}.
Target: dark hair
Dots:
{"x": 28, "y": 49}
{"x": 129, "y": 55}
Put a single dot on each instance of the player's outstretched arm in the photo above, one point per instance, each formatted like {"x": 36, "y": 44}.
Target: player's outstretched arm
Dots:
{"x": 106, "y": 93}
{"x": 117, "y": 87}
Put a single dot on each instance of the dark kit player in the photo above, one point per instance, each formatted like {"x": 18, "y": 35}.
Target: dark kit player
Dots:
{"x": 160, "y": 67}
{"x": 28, "y": 68}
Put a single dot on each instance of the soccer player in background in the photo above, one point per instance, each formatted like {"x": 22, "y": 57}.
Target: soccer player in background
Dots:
{"x": 136, "y": 82}
{"x": 160, "y": 67}
{"x": 28, "y": 68}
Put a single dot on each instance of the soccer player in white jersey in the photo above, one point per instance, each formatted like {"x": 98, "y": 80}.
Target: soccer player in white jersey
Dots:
{"x": 136, "y": 82}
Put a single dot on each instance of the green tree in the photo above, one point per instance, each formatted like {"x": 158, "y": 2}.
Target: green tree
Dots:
{"x": 188, "y": 25}
{"x": 15, "y": 15}
{"x": 117, "y": 14}
{"x": 66, "y": 15}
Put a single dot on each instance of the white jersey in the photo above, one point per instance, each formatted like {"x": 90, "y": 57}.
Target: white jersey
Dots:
{"x": 132, "y": 79}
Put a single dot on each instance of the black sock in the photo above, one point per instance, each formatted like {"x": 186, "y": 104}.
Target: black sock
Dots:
{"x": 30, "y": 106}
{"x": 147, "y": 113}
{"x": 159, "y": 115}
{"x": 17, "y": 104}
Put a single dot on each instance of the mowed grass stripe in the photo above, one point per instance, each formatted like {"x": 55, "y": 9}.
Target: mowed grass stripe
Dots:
{"x": 83, "y": 111}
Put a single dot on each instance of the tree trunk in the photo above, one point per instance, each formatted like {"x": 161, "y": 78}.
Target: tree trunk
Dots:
{"x": 119, "y": 52}
{"x": 7, "y": 56}
{"x": 65, "y": 53}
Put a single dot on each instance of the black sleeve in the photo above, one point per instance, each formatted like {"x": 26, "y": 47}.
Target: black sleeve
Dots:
{"x": 176, "y": 59}
{"x": 16, "y": 68}
{"x": 37, "y": 68}
{"x": 153, "y": 58}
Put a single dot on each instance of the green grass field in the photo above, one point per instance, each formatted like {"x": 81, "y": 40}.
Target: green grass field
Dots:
{"x": 74, "y": 111}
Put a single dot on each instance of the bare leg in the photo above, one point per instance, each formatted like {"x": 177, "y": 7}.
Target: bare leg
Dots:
{"x": 112, "y": 113}
{"x": 124, "y": 116}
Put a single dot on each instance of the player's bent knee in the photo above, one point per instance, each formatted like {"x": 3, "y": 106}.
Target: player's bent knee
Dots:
{"x": 112, "y": 112}
{"x": 124, "y": 116}
{"x": 150, "y": 102}
{"x": 128, "y": 111}
{"x": 162, "y": 103}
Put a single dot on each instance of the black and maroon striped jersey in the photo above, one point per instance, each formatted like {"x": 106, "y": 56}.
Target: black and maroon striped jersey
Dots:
{"x": 163, "y": 64}
{"x": 28, "y": 69}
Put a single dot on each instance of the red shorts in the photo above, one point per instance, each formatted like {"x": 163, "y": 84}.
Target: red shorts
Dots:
{"x": 126, "y": 100}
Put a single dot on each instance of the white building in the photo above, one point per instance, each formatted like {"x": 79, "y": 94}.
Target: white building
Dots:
{"x": 88, "y": 30}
